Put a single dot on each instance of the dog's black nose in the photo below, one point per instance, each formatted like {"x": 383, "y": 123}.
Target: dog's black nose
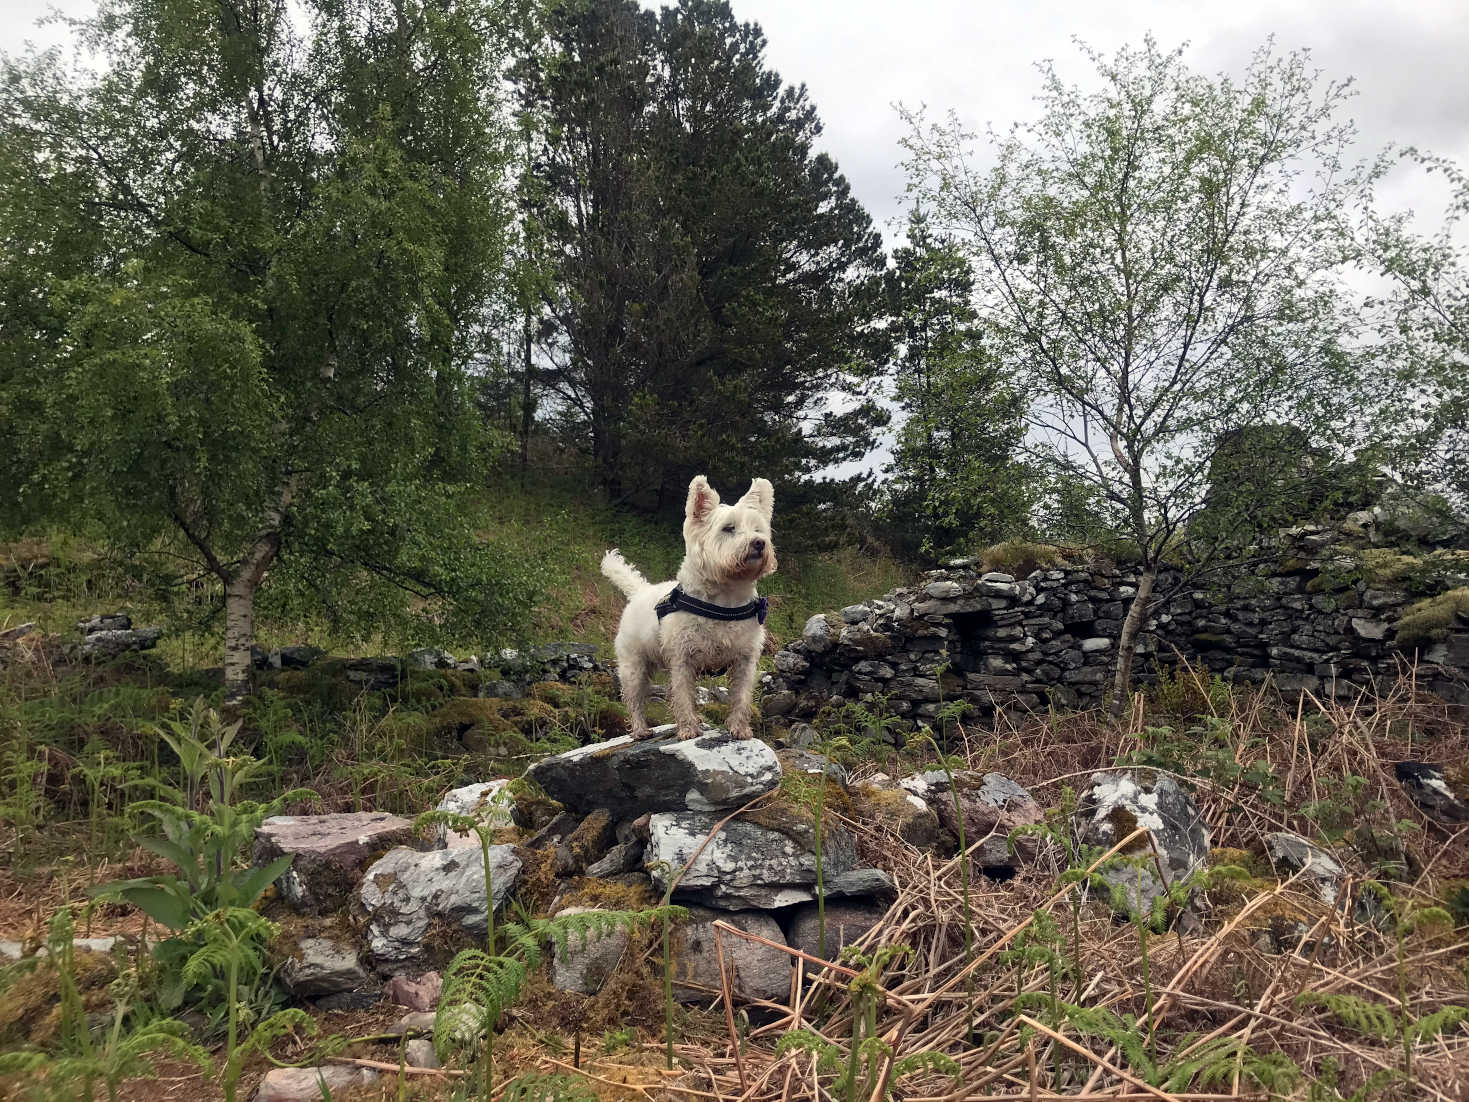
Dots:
{"x": 757, "y": 546}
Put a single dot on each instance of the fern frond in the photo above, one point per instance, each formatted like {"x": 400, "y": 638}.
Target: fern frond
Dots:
{"x": 1440, "y": 1021}
{"x": 1368, "y": 1018}
{"x": 936, "y": 1063}
{"x": 828, "y": 1056}
{"x": 477, "y": 989}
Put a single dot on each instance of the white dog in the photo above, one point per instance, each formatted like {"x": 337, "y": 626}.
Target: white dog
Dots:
{"x": 710, "y": 618}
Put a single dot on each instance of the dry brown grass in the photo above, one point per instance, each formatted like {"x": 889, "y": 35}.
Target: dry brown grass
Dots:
{"x": 1218, "y": 981}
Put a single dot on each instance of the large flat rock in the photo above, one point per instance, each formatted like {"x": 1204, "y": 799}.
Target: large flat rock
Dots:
{"x": 330, "y": 850}
{"x": 407, "y": 892}
{"x": 765, "y": 864}
{"x": 629, "y": 779}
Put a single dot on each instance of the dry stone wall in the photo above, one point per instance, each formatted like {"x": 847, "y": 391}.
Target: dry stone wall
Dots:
{"x": 996, "y": 641}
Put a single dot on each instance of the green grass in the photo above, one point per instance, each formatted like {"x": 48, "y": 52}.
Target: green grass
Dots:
{"x": 56, "y": 578}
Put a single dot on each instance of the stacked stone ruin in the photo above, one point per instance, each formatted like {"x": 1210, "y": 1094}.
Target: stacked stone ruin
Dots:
{"x": 997, "y": 642}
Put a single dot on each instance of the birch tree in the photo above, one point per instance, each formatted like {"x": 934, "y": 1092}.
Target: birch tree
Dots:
{"x": 248, "y": 255}
{"x": 1157, "y": 260}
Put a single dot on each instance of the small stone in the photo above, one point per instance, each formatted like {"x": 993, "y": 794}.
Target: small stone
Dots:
{"x": 414, "y": 1023}
{"x": 485, "y": 802}
{"x": 415, "y": 992}
{"x": 406, "y": 892}
{"x": 944, "y": 590}
{"x": 854, "y": 614}
{"x": 756, "y": 971}
{"x": 312, "y": 1084}
{"x": 323, "y": 966}
{"x": 586, "y": 964}
{"x": 1297, "y": 855}
{"x": 330, "y": 852}
{"x": 1095, "y": 645}
{"x": 997, "y": 577}
{"x": 818, "y": 634}
{"x": 419, "y": 1053}
{"x": 621, "y": 858}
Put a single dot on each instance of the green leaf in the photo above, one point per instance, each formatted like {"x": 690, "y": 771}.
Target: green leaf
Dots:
{"x": 253, "y": 882}
{"x": 158, "y": 903}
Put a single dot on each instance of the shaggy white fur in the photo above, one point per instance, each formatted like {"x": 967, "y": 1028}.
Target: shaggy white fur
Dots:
{"x": 727, "y": 549}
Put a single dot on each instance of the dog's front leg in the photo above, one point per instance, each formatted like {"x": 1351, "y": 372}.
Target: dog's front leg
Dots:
{"x": 741, "y": 690}
{"x": 681, "y": 700}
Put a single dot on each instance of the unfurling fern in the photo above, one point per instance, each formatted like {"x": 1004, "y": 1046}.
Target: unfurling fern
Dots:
{"x": 936, "y": 1062}
{"x": 1366, "y": 1017}
{"x": 548, "y": 1088}
{"x": 828, "y": 1056}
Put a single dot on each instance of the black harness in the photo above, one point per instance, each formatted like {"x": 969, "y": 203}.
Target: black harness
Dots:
{"x": 679, "y": 601}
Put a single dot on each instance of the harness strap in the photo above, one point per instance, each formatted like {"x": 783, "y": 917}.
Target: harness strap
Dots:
{"x": 679, "y": 601}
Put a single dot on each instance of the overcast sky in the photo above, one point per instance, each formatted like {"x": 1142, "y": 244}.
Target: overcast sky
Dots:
{"x": 1410, "y": 62}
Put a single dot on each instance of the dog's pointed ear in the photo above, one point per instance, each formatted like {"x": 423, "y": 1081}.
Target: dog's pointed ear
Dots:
{"x": 702, "y": 499}
{"x": 760, "y": 497}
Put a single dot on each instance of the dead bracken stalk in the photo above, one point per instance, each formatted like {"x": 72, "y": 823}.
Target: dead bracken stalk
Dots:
{"x": 1227, "y": 987}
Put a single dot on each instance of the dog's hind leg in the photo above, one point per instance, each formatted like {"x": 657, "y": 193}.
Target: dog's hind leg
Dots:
{"x": 633, "y": 673}
{"x": 741, "y": 689}
{"x": 681, "y": 699}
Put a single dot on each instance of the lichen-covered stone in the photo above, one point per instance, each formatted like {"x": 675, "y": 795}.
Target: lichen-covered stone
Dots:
{"x": 992, "y": 806}
{"x": 323, "y": 966}
{"x": 663, "y": 773}
{"x": 765, "y": 864}
{"x": 407, "y": 892}
{"x": 1114, "y": 805}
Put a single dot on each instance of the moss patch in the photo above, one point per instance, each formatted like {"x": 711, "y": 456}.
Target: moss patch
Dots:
{"x": 1022, "y": 558}
{"x": 1429, "y": 620}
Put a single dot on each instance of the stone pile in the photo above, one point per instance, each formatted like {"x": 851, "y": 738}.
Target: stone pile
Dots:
{"x": 994, "y": 642}
{"x": 516, "y": 670}
{"x": 109, "y": 634}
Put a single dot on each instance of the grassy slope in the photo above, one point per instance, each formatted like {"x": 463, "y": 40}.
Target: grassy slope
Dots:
{"x": 566, "y": 533}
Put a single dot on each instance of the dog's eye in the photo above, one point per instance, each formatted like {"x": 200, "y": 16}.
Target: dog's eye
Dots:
{"x": 729, "y": 528}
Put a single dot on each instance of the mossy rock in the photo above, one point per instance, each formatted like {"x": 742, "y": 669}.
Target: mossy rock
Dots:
{"x": 553, "y": 693}
{"x": 323, "y": 683}
{"x": 1430, "y": 620}
{"x": 1022, "y": 558}
{"x": 30, "y": 1008}
{"x": 609, "y": 895}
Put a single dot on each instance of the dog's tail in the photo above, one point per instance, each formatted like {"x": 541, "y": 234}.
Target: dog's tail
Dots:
{"x": 623, "y": 574}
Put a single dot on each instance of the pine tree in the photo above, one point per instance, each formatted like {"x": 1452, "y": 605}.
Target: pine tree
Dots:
{"x": 954, "y": 479}
{"x": 717, "y": 286}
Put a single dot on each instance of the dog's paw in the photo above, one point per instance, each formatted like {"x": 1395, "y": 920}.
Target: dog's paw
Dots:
{"x": 686, "y": 733}
{"x": 740, "y": 731}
